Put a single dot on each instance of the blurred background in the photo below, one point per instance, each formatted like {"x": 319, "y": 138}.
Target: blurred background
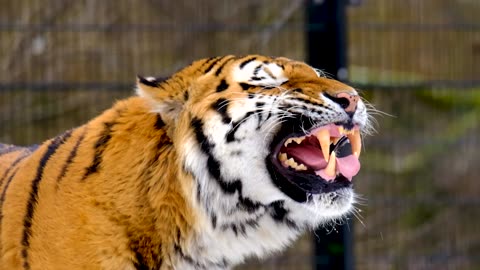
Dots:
{"x": 418, "y": 61}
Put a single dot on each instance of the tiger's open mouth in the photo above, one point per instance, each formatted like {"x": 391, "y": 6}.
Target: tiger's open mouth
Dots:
{"x": 327, "y": 151}
{"x": 319, "y": 160}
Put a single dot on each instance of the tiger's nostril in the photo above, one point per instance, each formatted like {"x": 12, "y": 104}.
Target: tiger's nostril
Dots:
{"x": 347, "y": 101}
{"x": 343, "y": 102}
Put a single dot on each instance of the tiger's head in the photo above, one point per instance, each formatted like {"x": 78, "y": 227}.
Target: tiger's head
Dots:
{"x": 262, "y": 136}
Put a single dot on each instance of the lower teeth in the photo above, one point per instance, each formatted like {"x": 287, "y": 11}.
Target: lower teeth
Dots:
{"x": 291, "y": 163}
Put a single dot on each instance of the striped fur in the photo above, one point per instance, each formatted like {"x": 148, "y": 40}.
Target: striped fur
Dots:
{"x": 174, "y": 178}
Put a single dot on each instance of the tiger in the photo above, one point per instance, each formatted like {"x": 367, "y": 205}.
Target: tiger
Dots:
{"x": 230, "y": 158}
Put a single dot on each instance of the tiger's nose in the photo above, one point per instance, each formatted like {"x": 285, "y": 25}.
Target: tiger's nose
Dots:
{"x": 347, "y": 101}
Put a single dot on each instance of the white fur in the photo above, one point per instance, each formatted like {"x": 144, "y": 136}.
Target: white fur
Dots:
{"x": 209, "y": 246}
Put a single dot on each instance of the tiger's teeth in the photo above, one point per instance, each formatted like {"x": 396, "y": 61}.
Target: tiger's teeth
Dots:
{"x": 288, "y": 141}
{"x": 291, "y": 162}
{"x": 282, "y": 157}
{"x": 299, "y": 140}
{"x": 323, "y": 137}
{"x": 331, "y": 168}
{"x": 301, "y": 167}
{"x": 356, "y": 142}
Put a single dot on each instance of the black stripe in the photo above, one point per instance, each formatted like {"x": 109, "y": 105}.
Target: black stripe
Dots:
{"x": 291, "y": 224}
{"x": 270, "y": 111}
{"x": 178, "y": 249}
{"x": 220, "y": 68}
{"x": 255, "y": 78}
{"x": 212, "y": 164}
{"x": 222, "y": 86}
{"x": 234, "y": 229}
{"x": 221, "y": 106}
{"x": 2, "y": 198}
{"x": 222, "y": 264}
{"x": 147, "y": 255}
{"x": 14, "y": 163}
{"x": 152, "y": 83}
{"x": 33, "y": 199}
{"x": 279, "y": 214}
{"x": 205, "y": 62}
{"x": 236, "y": 125}
{"x": 257, "y": 69}
{"x": 214, "y": 220}
{"x": 297, "y": 90}
{"x": 309, "y": 102}
{"x": 159, "y": 124}
{"x": 7, "y": 183}
{"x": 244, "y": 63}
{"x": 214, "y": 168}
{"x": 70, "y": 158}
{"x": 253, "y": 223}
{"x": 213, "y": 64}
{"x": 199, "y": 192}
{"x": 100, "y": 147}
{"x": 140, "y": 262}
{"x": 278, "y": 211}
{"x": 246, "y": 86}
{"x": 242, "y": 229}
{"x": 197, "y": 126}
{"x": 259, "y": 105}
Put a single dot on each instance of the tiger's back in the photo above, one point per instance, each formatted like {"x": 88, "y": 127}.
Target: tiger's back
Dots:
{"x": 187, "y": 175}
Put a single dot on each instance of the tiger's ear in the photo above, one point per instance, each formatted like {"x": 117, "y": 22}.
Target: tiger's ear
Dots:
{"x": 162, "y": 101}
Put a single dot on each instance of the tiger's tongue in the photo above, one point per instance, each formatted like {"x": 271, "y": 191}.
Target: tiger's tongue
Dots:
{"x": 310, "y": 154}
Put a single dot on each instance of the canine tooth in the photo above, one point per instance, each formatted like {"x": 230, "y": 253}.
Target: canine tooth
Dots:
{"x": 282, "y": 157}
{"x": 356, "y": 142}
{"x": 330, "y": 170}
{"x": 341, "y": 130}
{"x": 323, "y": 137}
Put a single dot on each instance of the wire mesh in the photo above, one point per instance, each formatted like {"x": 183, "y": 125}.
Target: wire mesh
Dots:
{"x": 63, "y": 62}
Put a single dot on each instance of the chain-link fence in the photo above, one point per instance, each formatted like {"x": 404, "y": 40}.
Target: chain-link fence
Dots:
{"x": 418, "y": 62}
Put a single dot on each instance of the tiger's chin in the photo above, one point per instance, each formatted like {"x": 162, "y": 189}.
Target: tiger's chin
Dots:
{"x": 330, "y": 206}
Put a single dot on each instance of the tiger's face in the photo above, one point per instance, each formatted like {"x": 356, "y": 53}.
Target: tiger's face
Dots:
{"x": 265, "y": 135}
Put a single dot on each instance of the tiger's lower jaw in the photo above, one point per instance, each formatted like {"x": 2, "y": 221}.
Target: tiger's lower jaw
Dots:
{"x": 302, "y": 187}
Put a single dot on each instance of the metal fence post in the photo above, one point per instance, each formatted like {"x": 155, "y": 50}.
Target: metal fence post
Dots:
{"x": 326, "y": 41}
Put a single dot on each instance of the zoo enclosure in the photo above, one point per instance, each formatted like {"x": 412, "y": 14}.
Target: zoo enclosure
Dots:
{"x": 62, "y": 62}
